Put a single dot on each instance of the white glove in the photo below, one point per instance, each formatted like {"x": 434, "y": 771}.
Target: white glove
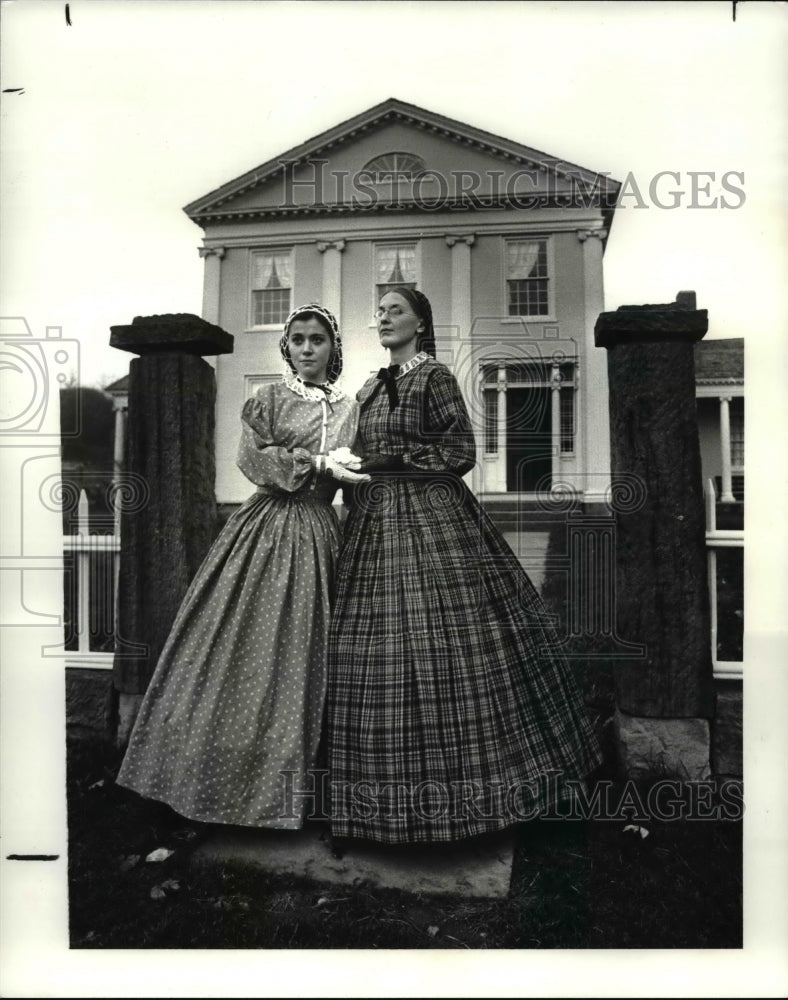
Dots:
{"x": 344, "y": 456}
{"x": 326, "y": 465}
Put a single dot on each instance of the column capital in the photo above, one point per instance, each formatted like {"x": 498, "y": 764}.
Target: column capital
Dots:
{"x": 212, "y": 251}
{"x": 725, "y": 399}
{"x": 584, "y": 234}
{"x": 555, "y": 378}
{"x": 453, "y": 240}
{"x": 323, "y": 245}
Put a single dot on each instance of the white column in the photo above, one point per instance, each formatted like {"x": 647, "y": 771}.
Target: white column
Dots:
{"x": 461, "y": 319}
{"x": 594, "y": 414}
{"x": 555, "y": 421}
{"x": 725, "y": 450}
{"x": 211, "y": 288}
{"x": 501, "y": 463}
{"x": 332, "y": 275}
{"x": 120, "y": 407}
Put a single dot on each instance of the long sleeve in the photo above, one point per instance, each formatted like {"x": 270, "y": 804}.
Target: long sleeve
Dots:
{"x": 448, "y": 444}
{"x": 261, "y": 459}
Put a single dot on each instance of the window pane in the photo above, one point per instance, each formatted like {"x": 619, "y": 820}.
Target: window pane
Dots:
{"x": 526, "y": 274}
{"x": 271, "y": 284}
{"x": 526, "y": 259}
{"x": 491, "y": 421}
{"x": 396, "y": 265}
{"x": 270, "y": 307}
{"x": 394, "y": 166}
{"x": 528, "y": 298}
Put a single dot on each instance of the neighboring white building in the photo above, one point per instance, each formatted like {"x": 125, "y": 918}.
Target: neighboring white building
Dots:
{"x": 719, "y": 389}
{"x": 506, "y": 241}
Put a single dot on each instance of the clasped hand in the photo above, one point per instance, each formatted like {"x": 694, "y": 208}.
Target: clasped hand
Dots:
{"x": 342, "y": 465}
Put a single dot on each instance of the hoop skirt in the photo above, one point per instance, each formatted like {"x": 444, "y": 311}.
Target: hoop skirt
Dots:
{"x": 450, "y": 703}
{"x": 233, "y": 714}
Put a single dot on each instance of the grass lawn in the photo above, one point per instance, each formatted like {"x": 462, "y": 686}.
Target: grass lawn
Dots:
{"x": 574, "y": 885}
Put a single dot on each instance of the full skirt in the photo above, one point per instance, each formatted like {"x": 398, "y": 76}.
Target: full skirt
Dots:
{"x": 452, "y": 711}
{"x": 230, "y": 725}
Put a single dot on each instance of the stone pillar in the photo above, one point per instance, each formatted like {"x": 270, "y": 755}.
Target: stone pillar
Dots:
{"x": 332, "y": 275}
{"x": 665, "y": 697}
{"x": 211, "y": 289}
{"x": 461, "y": 320}
{"x": 167, "y": 532}
{"x": 595, "y": 419}
{"x": 725, "y": 449}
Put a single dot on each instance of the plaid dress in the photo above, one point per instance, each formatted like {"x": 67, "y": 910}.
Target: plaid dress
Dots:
{"x": 450, "y": 706}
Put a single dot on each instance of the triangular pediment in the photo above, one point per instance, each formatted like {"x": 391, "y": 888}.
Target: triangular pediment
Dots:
{"x": 462, "y": 166}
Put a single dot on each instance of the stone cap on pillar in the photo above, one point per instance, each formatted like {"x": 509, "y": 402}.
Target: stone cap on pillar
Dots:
{"x": 172, "y": 333}
{"x": 653, "y": 324}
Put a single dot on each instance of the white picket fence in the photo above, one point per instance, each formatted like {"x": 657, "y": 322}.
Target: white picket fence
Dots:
{"x": 86, "y": 613}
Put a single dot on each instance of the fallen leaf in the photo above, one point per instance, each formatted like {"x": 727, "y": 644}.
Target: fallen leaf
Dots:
{"x": 633, "y": 828}
{"x": 96, "y": 784}
{"x": 160, "y": 854}
{"x": 171, "y": 885}
{"x": 129, "y": 862}
{"x": 322, "y": 901}
{"x": 157, "y": 892}
{"x": 432, "y": 931}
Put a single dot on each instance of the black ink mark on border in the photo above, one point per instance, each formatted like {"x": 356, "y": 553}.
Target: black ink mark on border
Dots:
{"x": 68, "y": 16}
{"x": 32, "y": 857}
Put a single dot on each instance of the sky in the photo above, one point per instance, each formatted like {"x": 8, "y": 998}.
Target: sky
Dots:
{"x": 138, "y": 108}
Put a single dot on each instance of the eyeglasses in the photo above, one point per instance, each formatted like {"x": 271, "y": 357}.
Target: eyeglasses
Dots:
{"x": 392, "y": 312}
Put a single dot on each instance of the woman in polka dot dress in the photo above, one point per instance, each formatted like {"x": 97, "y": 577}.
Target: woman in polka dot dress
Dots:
{"x": 232, "y": 718}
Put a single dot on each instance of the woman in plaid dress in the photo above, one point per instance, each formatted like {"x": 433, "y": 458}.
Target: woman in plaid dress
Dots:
{"x": 450, "y": 707}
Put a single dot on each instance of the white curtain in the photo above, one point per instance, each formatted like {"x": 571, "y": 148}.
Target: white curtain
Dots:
{"x": 268, "y": 264}
{"x": 521, "y": 259}
{"x": 395, "y": 265}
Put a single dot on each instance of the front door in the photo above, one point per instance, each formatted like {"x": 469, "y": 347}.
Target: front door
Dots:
{"x": 529, "y": 447}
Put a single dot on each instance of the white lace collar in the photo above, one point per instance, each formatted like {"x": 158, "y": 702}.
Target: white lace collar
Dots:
{"x": 413, "y": 363}
{"x": 296, "y": 384}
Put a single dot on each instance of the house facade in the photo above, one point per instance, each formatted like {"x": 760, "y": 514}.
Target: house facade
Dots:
{"x": 506, "y": 241}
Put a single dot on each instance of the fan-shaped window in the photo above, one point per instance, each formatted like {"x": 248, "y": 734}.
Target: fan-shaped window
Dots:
{"x": 394, "y": 167}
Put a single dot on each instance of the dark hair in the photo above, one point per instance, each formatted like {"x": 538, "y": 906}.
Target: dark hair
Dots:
{"x": 420, "y": 304}
{"x": 329, "y": 323}
{"x": 308, "y": 314}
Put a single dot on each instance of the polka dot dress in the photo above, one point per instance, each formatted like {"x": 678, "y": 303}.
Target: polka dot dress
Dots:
{"x": 229, "y": 727}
